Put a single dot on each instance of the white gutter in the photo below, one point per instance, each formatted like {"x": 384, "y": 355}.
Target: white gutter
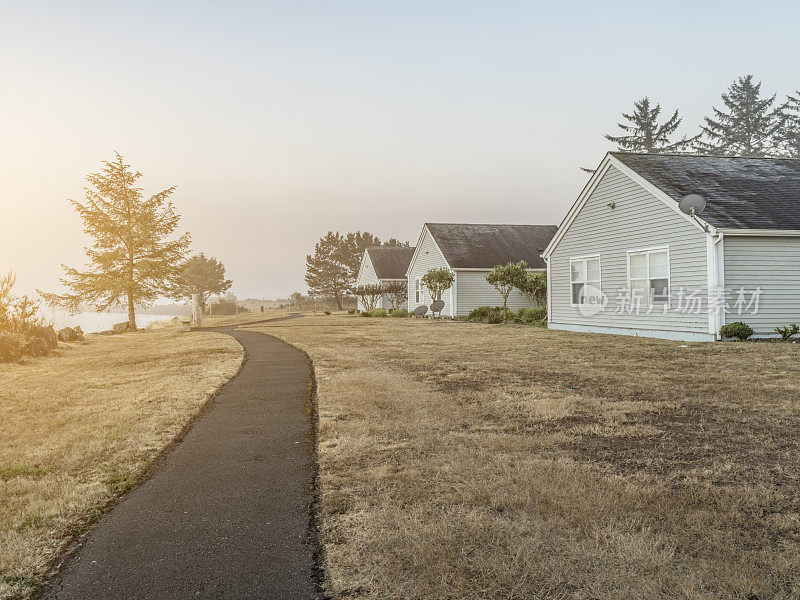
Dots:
{"x": 762, "y": 232}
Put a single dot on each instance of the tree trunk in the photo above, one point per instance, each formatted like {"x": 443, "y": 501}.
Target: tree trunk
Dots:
{"x": 339, "y": 301}
{"x": 131, "y": 313}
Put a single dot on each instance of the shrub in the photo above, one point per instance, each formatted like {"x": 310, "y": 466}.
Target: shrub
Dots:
{"x": 327, "y": 313}
{"x": 786, "y": 333}
{"x": 737, "y": 329}
{"x": 375, "y": 312}
{"x": 534, "y": 315}
{"x": 352, "y": 311}
{"x": 479, "y": 314}
{"x": 493, "y": 315}
{"x": 399, "y": 312}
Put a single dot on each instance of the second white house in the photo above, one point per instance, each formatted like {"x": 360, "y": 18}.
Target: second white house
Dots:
{"x": 470, "y": 251}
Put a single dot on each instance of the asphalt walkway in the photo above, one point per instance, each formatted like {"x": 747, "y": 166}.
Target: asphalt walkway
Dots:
{"x": 226, "y": 512}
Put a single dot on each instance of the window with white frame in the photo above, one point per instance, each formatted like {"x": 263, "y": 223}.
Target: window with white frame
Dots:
{"x": 648, "y": 276}
{"x": 585, "y": 280}
{"x": 418, "y": 293}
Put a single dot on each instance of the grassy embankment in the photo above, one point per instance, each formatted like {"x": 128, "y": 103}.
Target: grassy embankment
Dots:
{"x": 79, "y": 427}
{"x": 474, "y": 461}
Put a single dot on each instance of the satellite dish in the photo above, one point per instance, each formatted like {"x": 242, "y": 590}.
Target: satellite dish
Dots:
{"x": 693, "y": 204}
{"x": 437, "y": 306}
{"x": 420, "y": 310}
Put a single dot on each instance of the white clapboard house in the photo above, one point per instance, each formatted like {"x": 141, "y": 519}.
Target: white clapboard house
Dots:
{"x": 628, "y": 260}
{"x": 470, "y": 251}
{"x": 383, "y": 264}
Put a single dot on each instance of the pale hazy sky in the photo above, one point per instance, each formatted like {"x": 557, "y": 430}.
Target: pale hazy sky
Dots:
{"x": 281, "y": 120}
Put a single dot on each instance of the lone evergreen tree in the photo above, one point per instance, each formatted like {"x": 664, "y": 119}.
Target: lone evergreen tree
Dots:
{"x": 646, "y": 134}
{"x": 134, "y": 258}
{"x": 787, "y": 135}
{"x": 327, "y": 272}
{"x": 747, "y": 125}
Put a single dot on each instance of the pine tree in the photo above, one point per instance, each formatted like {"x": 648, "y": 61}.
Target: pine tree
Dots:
{"x": 394, "y": 242}
{"x": 787, "y": 135}
{"x": 134, "y": 258}
{"x": 327, "y": 273}
{"x": 646, "y": 134}
{"x": 352, "y": 250}
{"x": 747, "y": 125}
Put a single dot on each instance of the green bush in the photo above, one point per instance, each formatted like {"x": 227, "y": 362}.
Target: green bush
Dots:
{"x": 480, "y": 314}
{"x": 787, "y": 333}
{"x": 375, "y": 312}
{"x": 352, "y": 311}
{"x": 399, "y": 312}
{"x": 492, "y": 315}
{"x": 737, "y": 329}
{"x": 495, "y": 317}
{"x": 535, "y": 315}
{"x": 489, "y": 314}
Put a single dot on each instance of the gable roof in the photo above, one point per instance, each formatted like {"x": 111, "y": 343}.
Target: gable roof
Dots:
{"x": 740, "y": 192}
{"x": 390, "y": 262}
{"x": 484, "y": 246}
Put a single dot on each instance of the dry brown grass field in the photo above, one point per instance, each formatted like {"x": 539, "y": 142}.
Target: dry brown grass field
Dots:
{"x": 79, "y": 427}
{"x": 490, "y": 461}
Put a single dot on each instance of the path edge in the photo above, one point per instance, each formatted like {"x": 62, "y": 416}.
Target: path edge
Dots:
{"x": 85, "y": 526}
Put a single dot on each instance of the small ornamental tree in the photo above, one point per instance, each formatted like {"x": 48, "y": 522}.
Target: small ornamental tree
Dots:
{"x": 201, "y": 275}
{"x": 507, "y": 277}
{"x": 369, "y": 294}
{"x": 534, "y": 286}
{"x": 397, "y": 292}
{"x": 438, "y": 281}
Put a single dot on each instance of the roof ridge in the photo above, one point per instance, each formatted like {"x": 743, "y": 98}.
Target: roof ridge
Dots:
{"x": 497, "y": 224}
{"x": 685, "y": 155}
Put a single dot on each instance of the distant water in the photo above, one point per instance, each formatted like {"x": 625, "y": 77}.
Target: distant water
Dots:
{"x": 92, "y": 322}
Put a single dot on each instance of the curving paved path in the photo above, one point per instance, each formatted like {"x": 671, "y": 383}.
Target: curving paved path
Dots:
{"x": 226, "y": 512}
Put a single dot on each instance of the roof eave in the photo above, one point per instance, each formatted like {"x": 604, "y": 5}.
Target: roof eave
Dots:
{"x": 760, "y": 232}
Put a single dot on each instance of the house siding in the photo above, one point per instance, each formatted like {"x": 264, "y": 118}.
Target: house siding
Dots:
{"x": 428, "y": 256}
{"x": 639, "y": 220}
{"x": 366, "y": 276}
{"x": 771, "y": 264}
{"x": 474, "y": 291}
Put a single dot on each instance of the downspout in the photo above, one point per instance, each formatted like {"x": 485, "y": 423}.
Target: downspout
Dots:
{"x": 549, "y": 294}
{"x": 716, "y": 282}
{"x": 454, "y": 296}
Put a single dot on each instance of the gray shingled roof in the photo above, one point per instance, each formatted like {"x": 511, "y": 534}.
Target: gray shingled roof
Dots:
{"x": 390, "y": 262}
{"x": 740, "y": 193}
{"x": 472, "y": 246}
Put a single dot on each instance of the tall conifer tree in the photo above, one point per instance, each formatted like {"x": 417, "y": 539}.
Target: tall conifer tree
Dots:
{"x": 134, "y": 257}
{"x": 327, "y": 272}
{"x": 787, "y": 136}
{"x": 745, "y": 127}
{"x": 646, "y": 134}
